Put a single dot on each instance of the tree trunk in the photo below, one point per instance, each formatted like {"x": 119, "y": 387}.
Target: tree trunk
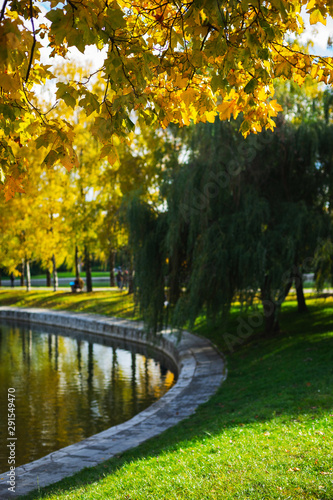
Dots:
{"x": 270, "y": 310}
{"x": 88, "y": 269}
{"x": 77, "y": 263}
{"x": 22, "y": 273}
{"x": 112, "y": 256}
{"x": 271, "y": 322}
{"x": 48, "y": 277}
{"x": 55, "y": 274}
{"x": 131, "y": 277}
{"x": 302, "y": 307}
{"x": 28, "y": 276}
{"x": 288, "y": 286}
{"x": 12, "y": 280}
{"x": 0, "y": 277}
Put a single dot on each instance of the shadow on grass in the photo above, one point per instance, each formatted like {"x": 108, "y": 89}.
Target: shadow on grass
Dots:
{"x": 285, "y": 378}
{"x": 105, "y": 303}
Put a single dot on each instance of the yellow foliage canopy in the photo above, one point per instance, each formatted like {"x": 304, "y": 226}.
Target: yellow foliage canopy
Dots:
{"x": 177, "y": 62}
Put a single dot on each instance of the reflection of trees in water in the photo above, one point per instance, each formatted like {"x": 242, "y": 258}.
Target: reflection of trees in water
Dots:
{"x": 90, "y": 391}
{"x": 90, "y": 366}
{"x": 56, "y": 355}
{"x": 133, "y": 382}
{"x": 79, "y": 365}
{"x": 155, "y": 379}
{"x": 78, "y": 355}
{"x": 23, "y": 345}
{"x": 49, "y": 342}
{"x": 71, "y": 388}
{"x": 163, "y": 370}
{"x": 146, "y": 386}
{"x": 26, "y": 342}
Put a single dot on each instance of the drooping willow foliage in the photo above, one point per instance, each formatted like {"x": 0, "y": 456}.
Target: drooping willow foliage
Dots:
{"x": 242, "y": 217}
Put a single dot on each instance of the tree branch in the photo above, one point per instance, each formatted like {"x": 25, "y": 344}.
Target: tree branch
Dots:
{"x": 3, "y": 10}
{"x": 34, "y": 42}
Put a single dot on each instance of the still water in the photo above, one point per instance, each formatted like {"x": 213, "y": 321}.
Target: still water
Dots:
{"x": 70, "y": 387}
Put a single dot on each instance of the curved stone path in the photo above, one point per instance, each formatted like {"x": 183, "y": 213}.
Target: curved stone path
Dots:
{"x": 201, "y": 371}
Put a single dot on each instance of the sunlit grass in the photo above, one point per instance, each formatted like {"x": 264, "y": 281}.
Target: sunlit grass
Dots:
{"x": 63, "y": 274}
{"x": 110, "y": 303}
{"x": 266, "y": 434}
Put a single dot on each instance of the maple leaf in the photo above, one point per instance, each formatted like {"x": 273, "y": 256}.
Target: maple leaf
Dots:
{"x": 225, "y": 109}
{"x": 317, "y": 17}
{"x": 13, "y": 185}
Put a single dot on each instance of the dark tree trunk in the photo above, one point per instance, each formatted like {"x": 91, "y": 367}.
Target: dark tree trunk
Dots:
{"x": 0, "y": 276}
{"x": 271, "y": 321}
{"x": 302, "y": 307}
{"x": 77, "y": 263}
{"x": 12, "y": 280}
{"x": 48, "y": 277}
{"x": 55, "y": 274}
{"x": 270, "y": 311}
{"x": 112, "y": 259}
{"x": 28, "y": 276}
{"x": 22, "y": 273}
{"x": 131, "y": 278}
{"x": 287, "y": 287}
{"x": 88, "y": 269}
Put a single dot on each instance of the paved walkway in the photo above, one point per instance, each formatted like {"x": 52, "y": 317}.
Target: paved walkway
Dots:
{"x": 201, "y": 371}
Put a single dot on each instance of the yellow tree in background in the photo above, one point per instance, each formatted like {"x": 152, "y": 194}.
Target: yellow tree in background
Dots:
{"x": 135, "y": 171}
{"x": 167, "y": 62}
{"x": 33, "y": 227}
{"x": 85, "y": 215}
{"x": 52, "y": 202}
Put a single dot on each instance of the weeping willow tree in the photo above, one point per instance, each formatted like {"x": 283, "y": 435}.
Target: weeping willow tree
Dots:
{"x": 147, "y": 236}
{"x": 241, "y": 218}
{"x": 324, "y": 252}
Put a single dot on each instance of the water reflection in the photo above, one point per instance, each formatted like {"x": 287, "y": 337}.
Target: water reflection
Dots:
{"x": 70, "y": 387}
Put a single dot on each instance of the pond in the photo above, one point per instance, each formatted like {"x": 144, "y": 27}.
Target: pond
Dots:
{"x": 69, "y": 386}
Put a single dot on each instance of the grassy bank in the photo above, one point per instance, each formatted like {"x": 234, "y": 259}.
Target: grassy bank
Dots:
{"x": 266, "y": 434}
{"x": 64, "y": 274}
{"x": 111, "y": 303}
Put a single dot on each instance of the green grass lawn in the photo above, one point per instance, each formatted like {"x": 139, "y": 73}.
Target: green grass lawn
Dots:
{"x": 266, "y": 434}
{"x": 111, "y": 303}
{"x": 65, "y": 274}
{"x": 68, "y": 274}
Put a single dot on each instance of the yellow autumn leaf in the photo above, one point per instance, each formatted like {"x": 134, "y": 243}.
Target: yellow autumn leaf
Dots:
{"x": 275, "y": 106}
{"x": 311, "y": 4}
{"x": 10, "y": 82}
{"x": 317, "y": 17}
{"x": 13, "y": 185}
{"x": 12, "y": 41}
{"x": 113, "y": 157}
{"x": 225, "y": 109}
{"x": 181, "y": 82}
{"x": 210, "y": 116}
{"x": 185, "y": 117}
{"x": 283, "y": 69}
{"x": 188, "y": 96}
{"x": 298, "y": 78}
{"x": 126, "y": 91}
